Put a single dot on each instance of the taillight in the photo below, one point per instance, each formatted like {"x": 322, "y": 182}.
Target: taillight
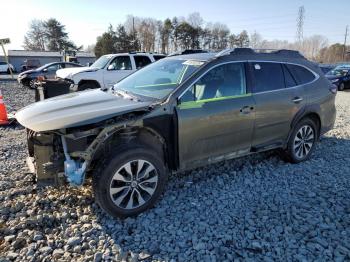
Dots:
{"x": 333, "y": 88}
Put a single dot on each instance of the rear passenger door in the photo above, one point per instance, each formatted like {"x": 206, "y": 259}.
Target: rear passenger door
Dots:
{"x": 278, "y": 98}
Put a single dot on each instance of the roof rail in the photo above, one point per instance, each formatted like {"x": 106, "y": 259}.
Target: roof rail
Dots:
{"x": 188, "y": 51}
{"x": 244, "y": 51}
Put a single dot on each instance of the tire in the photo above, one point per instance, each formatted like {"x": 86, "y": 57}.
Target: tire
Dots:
{"x": 87, "y": 85}
{"x": 31, "y": 84}
{"x": 341, "y": 87}
{"x": 129, "y": 192}
{"x": 306, "y": 132}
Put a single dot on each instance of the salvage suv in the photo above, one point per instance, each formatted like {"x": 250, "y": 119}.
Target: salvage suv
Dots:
{"x": 176, "y": 114}
{"x": 107, "y": 70}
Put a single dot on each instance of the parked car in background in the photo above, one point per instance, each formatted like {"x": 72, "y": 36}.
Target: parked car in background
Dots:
{"x": 107, "y": 70}
{"x": 30, "y": 64}
{"x": 340, "y": 76}
{"x": 48, "y": 71}
{"x": 174, "y": 115}
{"x": 326, "y": 68}
{"x": 4, "y": 68}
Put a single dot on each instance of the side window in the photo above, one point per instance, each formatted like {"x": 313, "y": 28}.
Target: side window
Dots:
{"x": 120, "y": 63}
{"x": 300, "y": 74}
{"x": 141, "y": 61}
{"x": 69, "y": 65}
{"x": 288, "y": 78}
{"x": 53, "y": 68}
{"x": 267, "y": 76}
{"x": 2, "y": 63}
{"x": 224, "y": 81}
{"x": 158, "y": 57}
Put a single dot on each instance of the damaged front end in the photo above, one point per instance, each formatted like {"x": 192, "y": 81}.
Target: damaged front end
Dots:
{"x": 66, "y": 155}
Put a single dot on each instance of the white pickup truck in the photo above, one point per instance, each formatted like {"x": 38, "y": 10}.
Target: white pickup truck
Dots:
{"x": 107, "y": 70}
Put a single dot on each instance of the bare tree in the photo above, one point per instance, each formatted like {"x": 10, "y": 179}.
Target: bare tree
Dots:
{"x": 35, "y": 37}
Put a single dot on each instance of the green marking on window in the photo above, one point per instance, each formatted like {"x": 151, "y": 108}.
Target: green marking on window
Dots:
{"x": 199, "y": 103}
{"x": 163, "y": 84}
{"x": 181, "y": 76}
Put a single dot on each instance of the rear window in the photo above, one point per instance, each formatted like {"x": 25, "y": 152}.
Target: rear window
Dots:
{"x": 267, "y": 76}
{"x": 300, "y": 74}
{"x": 141, "y": 61}
{"x": 288, "y": 78}
{"x": 157, "y": 57}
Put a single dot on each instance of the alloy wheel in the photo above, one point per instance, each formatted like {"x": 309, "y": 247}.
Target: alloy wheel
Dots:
{"x": 133, "y": 184}
{"x": 32, "y": 83}
{"x": 303, "y": 141}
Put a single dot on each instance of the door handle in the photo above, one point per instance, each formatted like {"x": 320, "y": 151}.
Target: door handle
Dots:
{"x": 246, "y": 109}
{"x": 297, "y": 99}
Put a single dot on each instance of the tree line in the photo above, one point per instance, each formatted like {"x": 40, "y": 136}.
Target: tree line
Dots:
{"x": 174, "y": 34}
{"x": 48, "y": 35}
{"x": 170, "y": 35}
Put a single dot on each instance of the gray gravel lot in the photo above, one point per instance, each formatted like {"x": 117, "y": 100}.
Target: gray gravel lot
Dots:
{"x": 256, "y": 208}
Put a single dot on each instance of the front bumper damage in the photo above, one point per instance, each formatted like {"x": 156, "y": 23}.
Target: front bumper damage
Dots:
{"x": 60, "y": 157}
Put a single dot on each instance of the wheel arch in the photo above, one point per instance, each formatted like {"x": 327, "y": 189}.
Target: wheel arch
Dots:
{"x": 84, "y": 81}
{"x": 311, "y": 112}
{"x": 129, "y": 136}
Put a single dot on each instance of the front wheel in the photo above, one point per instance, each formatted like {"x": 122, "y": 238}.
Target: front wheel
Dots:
{"x": 302, "y": 141}
{"x": 130, "y": 182}
{"x": 341, "y": 87}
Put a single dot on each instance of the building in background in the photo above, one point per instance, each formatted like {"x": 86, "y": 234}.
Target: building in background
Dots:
{"x": 17, "y": 57}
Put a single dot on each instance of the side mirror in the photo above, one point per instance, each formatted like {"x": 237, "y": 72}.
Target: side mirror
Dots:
{"x": 111, "y": 67}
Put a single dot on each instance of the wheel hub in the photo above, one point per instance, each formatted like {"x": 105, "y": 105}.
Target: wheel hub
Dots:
{"x": 133, "y": 184}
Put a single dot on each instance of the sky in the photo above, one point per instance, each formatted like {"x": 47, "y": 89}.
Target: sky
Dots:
{"x": 85, "y": 20}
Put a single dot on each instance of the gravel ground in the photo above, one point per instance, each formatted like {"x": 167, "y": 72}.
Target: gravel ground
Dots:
{"x": 256, "y": 208}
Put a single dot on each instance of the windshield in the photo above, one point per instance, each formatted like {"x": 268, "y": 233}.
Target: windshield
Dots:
{"x": 338, "y": 72}
{"x": 101, "y": 62}
{"x": 157, "y": 80}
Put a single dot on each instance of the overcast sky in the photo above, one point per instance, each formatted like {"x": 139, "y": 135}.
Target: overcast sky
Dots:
{"x": 85, "y": 20}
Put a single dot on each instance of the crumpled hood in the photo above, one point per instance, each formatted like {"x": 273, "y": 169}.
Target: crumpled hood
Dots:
{"x": 75, "y": 109}
{"x": 69, "y": 72}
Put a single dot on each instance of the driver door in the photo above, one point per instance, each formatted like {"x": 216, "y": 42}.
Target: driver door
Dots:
{"x": 119, "y": 68}
{"x": 215, "y": 116}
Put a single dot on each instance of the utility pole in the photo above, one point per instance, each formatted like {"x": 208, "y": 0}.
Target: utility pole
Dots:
{"x": 346, "y": 35}
{"x": 133, "y": 32}
{"x": 300, "y": 24}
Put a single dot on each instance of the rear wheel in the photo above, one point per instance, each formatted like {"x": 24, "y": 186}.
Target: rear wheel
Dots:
{"x": 302, "y": 141}
{"x": 341, "y": 87}
{"x": 130, "y": 182}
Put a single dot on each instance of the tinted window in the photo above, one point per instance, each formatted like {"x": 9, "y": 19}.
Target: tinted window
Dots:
{"x": 157, "y": 57}
{"x": 120, "y": 63}
{"x": 268, "y": 76}
{"x": 288, "y": 78}
{"x": 300, "y": 74}
{"x": 53, "y": 68}
{"x": 223, "y": 81}
{"x": 2, "y": 63}
{"x": 141, "y": 61}
{"x": 70, "y": 65}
